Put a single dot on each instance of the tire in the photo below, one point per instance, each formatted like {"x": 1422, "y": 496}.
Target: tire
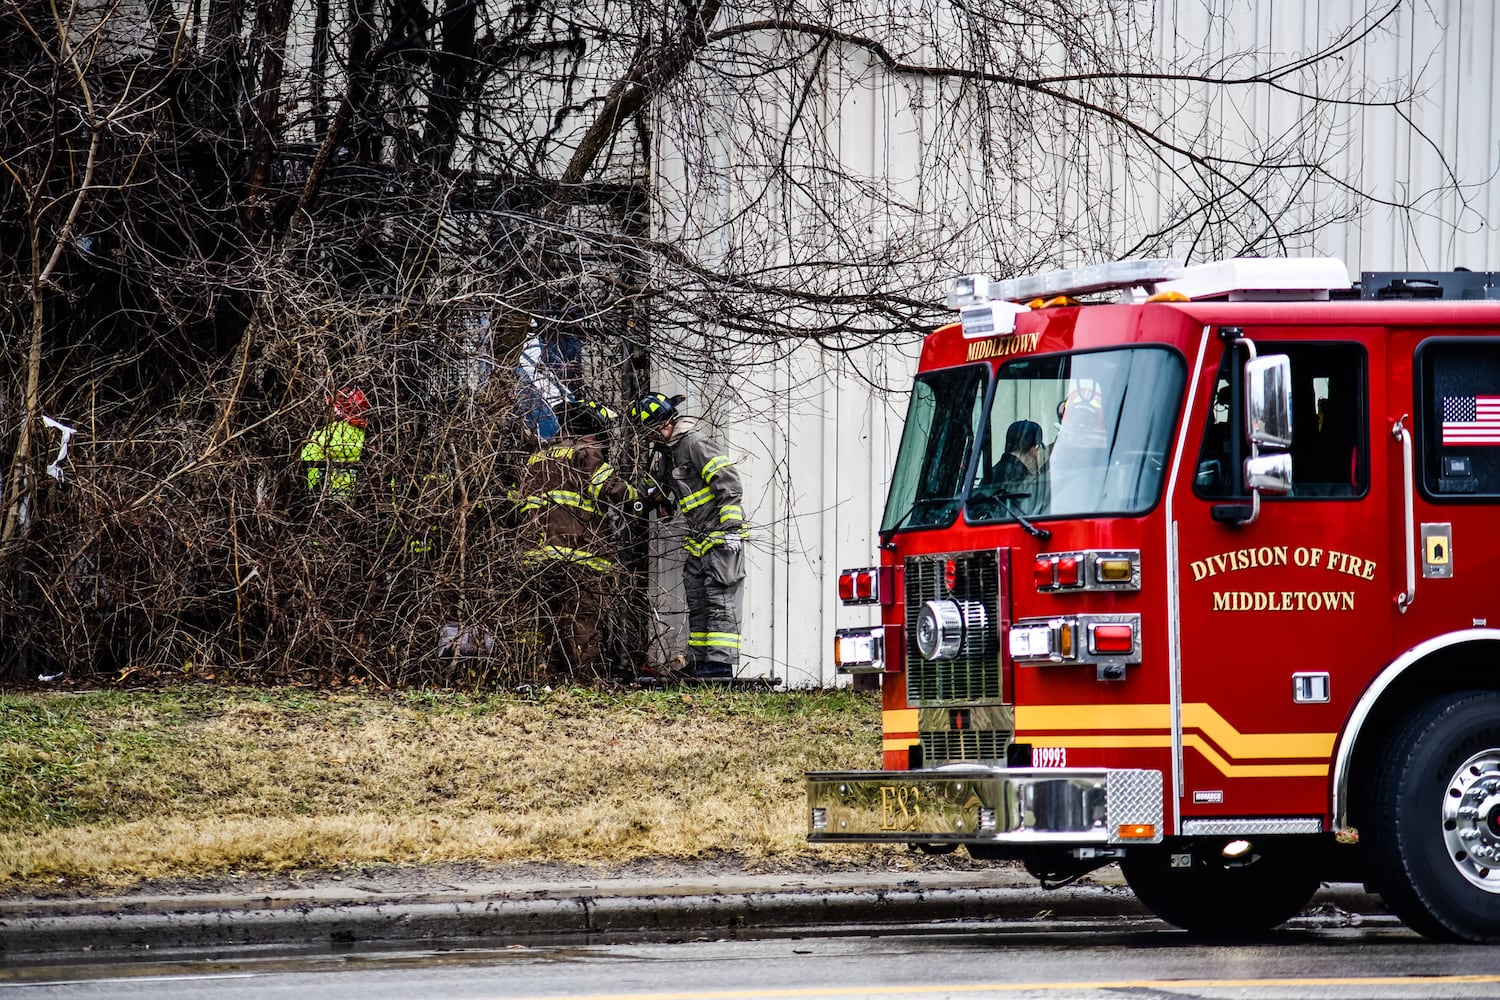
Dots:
{"x": 1215, "y": 898}
{"x": 1432, "y": 825}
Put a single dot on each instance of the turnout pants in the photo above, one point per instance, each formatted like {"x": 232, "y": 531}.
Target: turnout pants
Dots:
{"x": 573, "y": 601}
{"x": 715, "y": 586}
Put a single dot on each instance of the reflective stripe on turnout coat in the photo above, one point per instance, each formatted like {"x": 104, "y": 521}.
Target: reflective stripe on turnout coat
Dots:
{"x": 566, "y": 494}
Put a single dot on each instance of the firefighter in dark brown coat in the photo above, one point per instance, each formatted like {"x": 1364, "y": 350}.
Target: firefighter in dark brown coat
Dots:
{"x": 568, "y": 493}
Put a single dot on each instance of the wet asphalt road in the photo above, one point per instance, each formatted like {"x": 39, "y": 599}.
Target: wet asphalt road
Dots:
{"x": 1090, "y": 959}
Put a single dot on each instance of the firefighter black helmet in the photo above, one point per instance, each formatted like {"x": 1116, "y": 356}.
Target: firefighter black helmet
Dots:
{"x": 585, "y": 416}
{"x": 656, "y": 408}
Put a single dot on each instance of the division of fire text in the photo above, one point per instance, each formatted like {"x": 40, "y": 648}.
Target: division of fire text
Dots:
{"x": 1275, "y": 557}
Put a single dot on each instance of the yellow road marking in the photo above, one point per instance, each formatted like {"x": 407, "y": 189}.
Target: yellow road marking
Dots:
{"x": 1117, "y": 984}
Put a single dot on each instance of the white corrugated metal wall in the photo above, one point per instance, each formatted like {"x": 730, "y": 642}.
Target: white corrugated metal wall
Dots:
{"x": 1443, "y": 52}
{"x": 815, "y": 439}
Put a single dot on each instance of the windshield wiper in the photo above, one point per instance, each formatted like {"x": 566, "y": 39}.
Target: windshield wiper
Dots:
{"x": 1010, "y": 508}
{"x": 886, "y": 535}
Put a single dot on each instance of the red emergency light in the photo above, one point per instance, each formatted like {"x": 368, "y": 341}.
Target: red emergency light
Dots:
{"x": 1051, "y": 572}
{"x": 1111, "y": 638}
{"x": 863, "y": 586}
{"x": 1067, "y": 571}
{"x": 1090, "y": 569}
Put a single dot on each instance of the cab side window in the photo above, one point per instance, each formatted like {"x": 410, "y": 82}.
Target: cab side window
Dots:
{"x": 1458, "y": 403}
{"x": 1330, "y": 446}
{"x": 1219, "y": 457}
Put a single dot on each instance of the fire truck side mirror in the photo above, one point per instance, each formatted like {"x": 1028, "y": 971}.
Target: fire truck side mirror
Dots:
{"x": 1269, "y": 473}
{"x": 1268, "y": 401}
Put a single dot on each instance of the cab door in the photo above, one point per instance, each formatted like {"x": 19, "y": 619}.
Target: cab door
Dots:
{"x": 1449, "y": 383}
{"x": 1277, "y": 614}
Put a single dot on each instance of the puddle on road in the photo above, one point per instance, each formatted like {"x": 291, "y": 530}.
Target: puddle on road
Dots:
{"x": 256, "y": 960}
{"x": 264, "y": 960}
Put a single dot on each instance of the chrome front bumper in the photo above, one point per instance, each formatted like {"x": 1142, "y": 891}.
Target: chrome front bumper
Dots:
{"x": 969, "y": 804}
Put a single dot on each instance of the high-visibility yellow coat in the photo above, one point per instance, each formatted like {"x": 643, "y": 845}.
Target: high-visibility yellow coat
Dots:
{"x": 331, "y": 455}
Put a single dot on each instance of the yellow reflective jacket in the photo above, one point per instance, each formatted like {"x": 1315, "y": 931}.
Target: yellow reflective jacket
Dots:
{"x": 334, "y": 449}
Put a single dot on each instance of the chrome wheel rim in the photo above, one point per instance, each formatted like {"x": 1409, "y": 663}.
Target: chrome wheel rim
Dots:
{"x": 1471, "y": 819}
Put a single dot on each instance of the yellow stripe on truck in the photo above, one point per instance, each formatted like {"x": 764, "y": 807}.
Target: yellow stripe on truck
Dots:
{"x": 898, "y": 720}
{"x": 1193, "y": 742}
{"x": 1089, "y": 719}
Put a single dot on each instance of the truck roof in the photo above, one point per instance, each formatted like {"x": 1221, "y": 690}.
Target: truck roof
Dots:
{"x": 1165, "y": 302}
{"x": 1056, "y": 329}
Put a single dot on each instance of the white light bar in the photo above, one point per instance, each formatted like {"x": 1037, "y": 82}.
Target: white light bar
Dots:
{"x": 968, "y": 290}
{"x": 991, "y": 319}
{"x": 1083, "y": 280}
{"x": 1263, "y": 279}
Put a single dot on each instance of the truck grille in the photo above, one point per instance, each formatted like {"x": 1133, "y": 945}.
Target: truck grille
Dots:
{"x": 974, "y": 676}
{"x": 973, "y": 744}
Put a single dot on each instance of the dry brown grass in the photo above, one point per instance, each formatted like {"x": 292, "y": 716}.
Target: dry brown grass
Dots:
{"x": 110, "y": 788}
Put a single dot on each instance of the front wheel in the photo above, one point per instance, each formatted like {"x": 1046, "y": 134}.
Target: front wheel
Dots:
{"x": 1196, "y": 887}
{"x": 1433, "y": 819}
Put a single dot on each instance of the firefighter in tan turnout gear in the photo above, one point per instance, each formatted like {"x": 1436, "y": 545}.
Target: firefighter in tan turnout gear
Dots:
{"x": 706, "y": 486}
{"x": 567, "y": 494}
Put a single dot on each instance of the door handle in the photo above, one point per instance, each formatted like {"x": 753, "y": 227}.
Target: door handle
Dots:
{"x": 1400, "y": 433}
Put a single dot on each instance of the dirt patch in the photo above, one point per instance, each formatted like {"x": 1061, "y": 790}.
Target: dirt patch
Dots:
{"x": 400, "y": 879}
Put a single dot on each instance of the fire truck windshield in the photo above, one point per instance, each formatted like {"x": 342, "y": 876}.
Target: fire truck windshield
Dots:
{"x": 1069, "y": 435}
{"x": 936, "y": 447}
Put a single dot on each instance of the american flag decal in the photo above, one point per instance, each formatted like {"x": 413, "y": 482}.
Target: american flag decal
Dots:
{"x": 1471, "y": 420}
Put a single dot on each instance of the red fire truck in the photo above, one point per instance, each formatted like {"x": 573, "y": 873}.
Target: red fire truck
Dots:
{"x": 1197, "y": 580}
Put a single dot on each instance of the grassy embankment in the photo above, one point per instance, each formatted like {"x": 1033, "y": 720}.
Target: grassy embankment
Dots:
{"x": 103, "y": 789}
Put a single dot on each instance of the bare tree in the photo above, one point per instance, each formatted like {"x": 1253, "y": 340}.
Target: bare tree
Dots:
{"x": 217, "y": 215}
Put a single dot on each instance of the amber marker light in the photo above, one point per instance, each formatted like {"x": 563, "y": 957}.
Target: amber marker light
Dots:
{"x": 859, "y": 649}
{"x": 1137, "y": 831}
{"x": 1065, "y": 640}
{"x": 1114, "y": 570}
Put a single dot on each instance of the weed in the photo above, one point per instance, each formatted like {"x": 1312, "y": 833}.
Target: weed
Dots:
{"x": 109, "y": 787}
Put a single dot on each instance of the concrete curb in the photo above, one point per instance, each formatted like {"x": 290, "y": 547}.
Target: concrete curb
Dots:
{"x": 35, "y": 927}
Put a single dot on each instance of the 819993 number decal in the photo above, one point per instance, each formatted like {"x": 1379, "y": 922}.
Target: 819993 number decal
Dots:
{"x": 1049, "y": 757}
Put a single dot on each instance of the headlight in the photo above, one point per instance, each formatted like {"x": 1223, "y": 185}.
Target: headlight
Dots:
{"x": 940, "y": 630}
{"x": 946, "y": 628}
{"x": 859, "y": 650}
